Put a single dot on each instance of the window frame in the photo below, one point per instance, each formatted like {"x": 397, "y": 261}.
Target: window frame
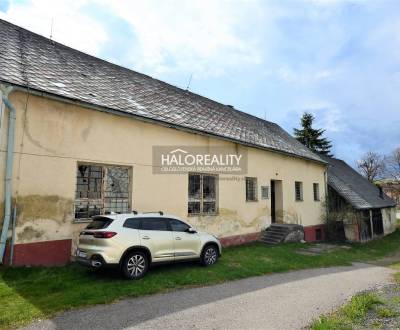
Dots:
{"x": 101, "y": 201}
{"x": 201, "y": 199}
{"x": 316, "y": 194}
{"x": 301, "y": 197}
{"x": 255, "y": 188}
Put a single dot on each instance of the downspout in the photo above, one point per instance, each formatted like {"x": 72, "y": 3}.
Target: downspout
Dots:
{"x": 9, "y": 169}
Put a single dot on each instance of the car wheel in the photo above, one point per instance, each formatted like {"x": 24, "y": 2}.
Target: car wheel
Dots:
{"x": 135, "y": 265}
{"x": 209, "y": 255}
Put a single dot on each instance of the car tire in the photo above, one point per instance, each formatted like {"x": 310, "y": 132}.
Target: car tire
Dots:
{"x": 209, "y": 256}
{"x": 135, "y": 265}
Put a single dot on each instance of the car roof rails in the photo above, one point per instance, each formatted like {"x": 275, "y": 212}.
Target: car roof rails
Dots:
{"x": 134, "y": 212}
{"x": 159, "y": 212}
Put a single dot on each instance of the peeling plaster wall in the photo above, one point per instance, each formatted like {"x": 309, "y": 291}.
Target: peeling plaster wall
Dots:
{"x": 53, "y": 137}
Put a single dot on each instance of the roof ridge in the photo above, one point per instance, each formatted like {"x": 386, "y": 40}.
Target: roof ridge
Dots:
{"x": 169, "y": 85}
{"x": 92, "y": 80}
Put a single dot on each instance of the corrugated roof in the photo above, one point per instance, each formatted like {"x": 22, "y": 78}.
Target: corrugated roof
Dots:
{"x": 28, "y": 59}
{"x": 353, "y": 187}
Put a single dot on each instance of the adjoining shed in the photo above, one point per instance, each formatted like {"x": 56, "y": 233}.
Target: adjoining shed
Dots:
{"x": 357, "y": 209}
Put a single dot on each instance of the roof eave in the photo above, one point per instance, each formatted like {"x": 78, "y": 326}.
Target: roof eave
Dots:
{"x": 96, "y": 107}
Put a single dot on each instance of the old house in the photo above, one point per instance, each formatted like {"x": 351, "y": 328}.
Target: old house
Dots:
{"x": 391, "y": 188}
{"x": 79, "y": 137}
{"x": 358, "y": 209}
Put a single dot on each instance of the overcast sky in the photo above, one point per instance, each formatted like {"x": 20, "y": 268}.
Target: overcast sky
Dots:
{"x": 339, "y": 60}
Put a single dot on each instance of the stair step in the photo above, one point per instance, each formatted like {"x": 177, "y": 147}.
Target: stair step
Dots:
{"x": 278, "y": 228}
{"x": 270, "y": 242}
{"x": 278, "y": 238}
{"x": 276, "y": 233}
{"x": 274, "y": 236}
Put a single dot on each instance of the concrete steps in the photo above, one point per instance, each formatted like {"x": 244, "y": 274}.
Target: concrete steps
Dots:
{"x": 276, "y": 233}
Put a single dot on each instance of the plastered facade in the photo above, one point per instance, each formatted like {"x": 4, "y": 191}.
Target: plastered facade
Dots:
{"x": 52, "y": 137}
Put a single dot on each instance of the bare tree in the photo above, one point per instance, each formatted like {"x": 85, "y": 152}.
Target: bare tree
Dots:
{"x": 371, "y": 165}
{"x": 393, "y": 164}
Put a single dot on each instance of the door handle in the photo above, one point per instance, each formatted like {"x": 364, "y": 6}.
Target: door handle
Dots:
{"x": 145, "y": 237}
{"x": 178, "y": 238}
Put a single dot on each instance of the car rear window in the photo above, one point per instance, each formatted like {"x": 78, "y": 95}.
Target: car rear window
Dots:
{"x": 99, "y": 223}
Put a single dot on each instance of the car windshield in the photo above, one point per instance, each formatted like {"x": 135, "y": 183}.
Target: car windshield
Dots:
{"x": 99, "y": 223}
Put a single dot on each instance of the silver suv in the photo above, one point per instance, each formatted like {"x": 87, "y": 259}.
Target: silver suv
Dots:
{"x": 135, "y": 241}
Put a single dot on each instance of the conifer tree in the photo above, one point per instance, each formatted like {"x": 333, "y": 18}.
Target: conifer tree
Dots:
{"x": 311, "y": 137}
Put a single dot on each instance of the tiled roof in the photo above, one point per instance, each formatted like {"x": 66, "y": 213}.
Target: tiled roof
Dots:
{"x": 27, "y": 59}
{"x": 353, "y": 187}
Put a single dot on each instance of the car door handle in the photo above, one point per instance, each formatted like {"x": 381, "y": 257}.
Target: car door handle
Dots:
{"x": 178, "y": 238}
{"x": 145, "y": 237}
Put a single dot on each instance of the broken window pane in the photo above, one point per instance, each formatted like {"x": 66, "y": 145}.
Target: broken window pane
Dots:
{"x": 101, "y": 189}
{"x": 194, "y": 207}
{"x": 194, "y": 186}
{"x": 208, "y": 187}
{"x": 116, "y": 189}
{"x": 209, "y": 207}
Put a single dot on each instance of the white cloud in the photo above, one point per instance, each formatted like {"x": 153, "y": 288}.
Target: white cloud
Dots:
{"x": 203, "y": 37}
{"x": 71, "y": 26}
{"x": 328, "y": 115}
{"x": 303, "y": 76}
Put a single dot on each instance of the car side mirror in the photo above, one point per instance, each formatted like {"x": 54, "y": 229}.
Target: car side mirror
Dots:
{"x": 191, "y": 230}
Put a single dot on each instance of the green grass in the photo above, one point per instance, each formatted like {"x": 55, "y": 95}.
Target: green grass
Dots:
{"x": 30, "y": 293}
{"x": 351, "y": 313}
{"x": 385, "y": 312}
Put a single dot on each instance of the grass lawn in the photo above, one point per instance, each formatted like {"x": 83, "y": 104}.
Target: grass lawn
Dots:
{"x": 31, "y": 293}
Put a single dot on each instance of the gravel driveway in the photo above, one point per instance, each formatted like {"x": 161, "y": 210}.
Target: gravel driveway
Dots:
{"x": 279, "y": 301}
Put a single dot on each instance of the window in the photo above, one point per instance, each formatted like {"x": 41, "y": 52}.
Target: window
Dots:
{"x": 316, "y": 191}
{"x": 154, "y": 224}
{"x": 298, "y": 187}
{"x": 132, "y": 223}
{"x": 264, "y": 192}
{"x": 177, "y": 225}
{"x": 251, "y": 189}
{"x": 202, "y": 194}
{"x": 101, "y": 189}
